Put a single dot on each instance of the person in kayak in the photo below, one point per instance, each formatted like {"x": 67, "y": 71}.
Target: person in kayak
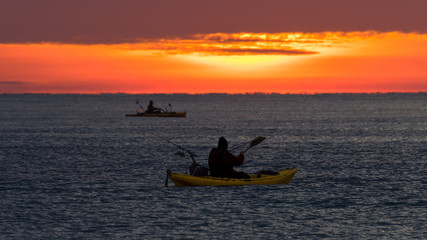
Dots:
{"x": 221, "y": 161}
{"x": 152, "y": 109}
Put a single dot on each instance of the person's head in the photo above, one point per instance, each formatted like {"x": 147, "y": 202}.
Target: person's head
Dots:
{"x": 222, "y": 143}
{"x": 151, "y": 102}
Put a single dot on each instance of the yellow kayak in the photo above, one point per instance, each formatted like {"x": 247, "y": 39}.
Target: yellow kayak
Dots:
{"x": 283, "y": 177}
{"x": 160, "y": 114}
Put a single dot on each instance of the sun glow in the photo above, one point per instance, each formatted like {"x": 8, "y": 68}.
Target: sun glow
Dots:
{"x": 241, "y": 63}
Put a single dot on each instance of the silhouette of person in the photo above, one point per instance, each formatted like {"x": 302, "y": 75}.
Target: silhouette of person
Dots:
{"x": 221, "y": 161}
{"x": 151, "y": 108}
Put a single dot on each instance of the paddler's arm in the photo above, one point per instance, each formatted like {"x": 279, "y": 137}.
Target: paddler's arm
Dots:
{"x": 231, "y": 160}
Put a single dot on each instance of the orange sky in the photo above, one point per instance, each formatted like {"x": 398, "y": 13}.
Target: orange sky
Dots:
{"x": 232, "y": 63}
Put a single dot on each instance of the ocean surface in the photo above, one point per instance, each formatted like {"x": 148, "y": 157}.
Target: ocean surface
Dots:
{"x": 74, "y": 167}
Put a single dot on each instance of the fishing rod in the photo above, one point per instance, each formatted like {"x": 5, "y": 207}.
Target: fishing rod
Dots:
{"x": 192, "y": 155}
{"x": 195, "y": 168}
{"x": 166, "y": 108}
{"x": 137, "y": 102}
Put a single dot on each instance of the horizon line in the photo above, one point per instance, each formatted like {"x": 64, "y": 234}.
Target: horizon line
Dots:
{"x": 218, "y": 93}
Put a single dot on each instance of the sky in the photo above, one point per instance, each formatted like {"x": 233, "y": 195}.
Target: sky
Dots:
{"x": 194, "y": 46}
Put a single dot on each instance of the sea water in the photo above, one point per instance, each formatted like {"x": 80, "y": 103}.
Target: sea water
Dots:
{"x": 74, "y": 167}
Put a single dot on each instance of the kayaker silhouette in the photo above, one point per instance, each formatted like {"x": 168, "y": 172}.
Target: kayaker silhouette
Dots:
{"x": 152, "y": 109}
{"x": 221, "y": 161}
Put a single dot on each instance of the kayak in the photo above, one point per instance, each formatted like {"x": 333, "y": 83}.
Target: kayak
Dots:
{"x": 161, "y": 114}
{"x": 280, "y": 177}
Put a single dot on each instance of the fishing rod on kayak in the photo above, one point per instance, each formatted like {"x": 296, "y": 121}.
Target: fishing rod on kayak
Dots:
{"x": 195, "y": 168}
{"x": 192, "y": 155}
{"x": 137, "y": 102}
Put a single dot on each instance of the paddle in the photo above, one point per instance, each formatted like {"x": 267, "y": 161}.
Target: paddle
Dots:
{"x": 254, "y": 142}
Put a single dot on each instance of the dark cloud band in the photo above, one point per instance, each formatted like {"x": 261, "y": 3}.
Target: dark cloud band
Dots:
{"x": 125, "y": 21}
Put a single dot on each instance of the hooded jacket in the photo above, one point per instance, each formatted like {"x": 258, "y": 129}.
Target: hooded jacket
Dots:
{"x": 221, "y": 161}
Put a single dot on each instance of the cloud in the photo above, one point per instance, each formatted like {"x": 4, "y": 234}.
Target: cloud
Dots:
{"x": 239, "y": 44}
{"x": 112, "y": 21}
{"x": 261, "y": 52}
{"x": 245, "y": 43}
{"x": 13, "y": 83}
{"x": 15, "y": 86}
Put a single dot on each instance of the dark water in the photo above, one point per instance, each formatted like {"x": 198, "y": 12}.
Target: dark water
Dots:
{"x": 72, "y": 166}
